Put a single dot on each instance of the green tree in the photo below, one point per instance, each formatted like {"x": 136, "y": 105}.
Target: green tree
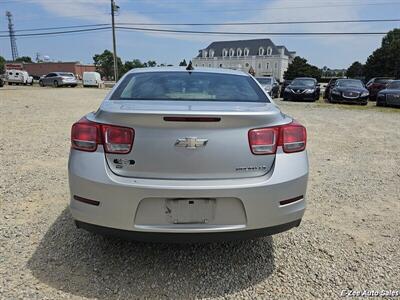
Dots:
{"x": 300, "y": 68}
{"x": 385, "y": 61}
{"x": 2, "y": 64}
{"x": 151, "y": 63}
{"x": 24, "y": 59}
{"x": 136, "y": 63}
{"x": 183, "y": 63}
{"x": 356, "y": 70}
{"x": 105, "y": 64}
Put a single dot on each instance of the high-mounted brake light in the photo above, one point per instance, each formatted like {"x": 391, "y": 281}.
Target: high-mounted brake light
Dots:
{"x": 291, "y": 137}
{"x": 86, "y": 135}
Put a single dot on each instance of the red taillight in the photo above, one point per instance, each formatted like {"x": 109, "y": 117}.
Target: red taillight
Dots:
{"x": 86, "y": 135}
{"x": 291, "y": 137}
{"x": 263, "y": 140}
{"x": 117, "y": 139}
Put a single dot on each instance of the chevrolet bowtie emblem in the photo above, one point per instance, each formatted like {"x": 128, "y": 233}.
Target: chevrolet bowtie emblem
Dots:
{"x": 191, "y": 142}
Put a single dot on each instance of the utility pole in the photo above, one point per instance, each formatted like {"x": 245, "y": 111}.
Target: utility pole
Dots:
{"x": 113, "y": 9}
{"x": 14, "y": 51}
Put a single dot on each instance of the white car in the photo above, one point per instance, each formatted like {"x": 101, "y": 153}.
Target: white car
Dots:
{"x": 187, "y": 155}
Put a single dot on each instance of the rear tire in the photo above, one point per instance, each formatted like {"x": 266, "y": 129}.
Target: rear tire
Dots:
{"x": 41, "y": 83}
{"x": 55, "y": 83}
{"x": 378, "y": 103}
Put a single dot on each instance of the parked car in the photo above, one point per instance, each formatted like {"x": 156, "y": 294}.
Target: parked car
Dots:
{"x": 57, "y": 79}
{"x": 302, "y": 89}
{"x": 18, "y": 77}
{"x": 284, "y": 85}
{"x": 91, "y": 79}
{"x": 187, "y": 155}
{"x": 270, "y": 85}
{"x": 390, "y": 96}
{"x": 350, "y": 91}
{"x": 329, "y": 86}
{"x": 1, "y": 81}
{"x": 375, "y": 85}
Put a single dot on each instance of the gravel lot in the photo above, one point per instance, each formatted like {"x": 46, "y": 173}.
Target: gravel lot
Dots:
{"x": 349, "y": 238}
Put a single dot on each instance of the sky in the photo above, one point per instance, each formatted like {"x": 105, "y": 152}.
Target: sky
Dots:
{"x": 170, "y": 48}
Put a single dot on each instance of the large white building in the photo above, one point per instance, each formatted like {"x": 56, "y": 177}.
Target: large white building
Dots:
{"x": 262, "y": 55}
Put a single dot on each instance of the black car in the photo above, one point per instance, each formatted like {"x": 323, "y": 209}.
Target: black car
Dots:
{"x": 1, "y": 82}
{"x": 302, "y": 89}
{"x": 284, "y": 86}
{"x": 330, "y": 84}
{"x": 349, "y": 91}
{"x": 390, "y": 95}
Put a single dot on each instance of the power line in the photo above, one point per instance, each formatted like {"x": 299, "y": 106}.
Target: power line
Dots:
{"x": 247, "y": 33}
{"x": 269, "y": 8}
{"x": 265, "y": 23}
{"x": 59, "y": 32}
{"x": 213, "y": 24}
{"x": 60, "y": 27}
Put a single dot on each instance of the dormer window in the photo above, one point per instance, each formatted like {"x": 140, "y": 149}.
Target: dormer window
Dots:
{"x": 261, "y": 51}
{"x": 238, "y": 52}
{"x": 224, "y": 52}
{"x": 211, "y": 53}
{"x": 269, "y": 51}
{"x": 246, "y": 51}
{"x": 204, "y": 53}
{"x": 231, "y": 52}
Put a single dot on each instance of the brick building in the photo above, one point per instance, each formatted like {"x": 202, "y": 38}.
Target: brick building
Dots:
{"x": 43, "y": 68}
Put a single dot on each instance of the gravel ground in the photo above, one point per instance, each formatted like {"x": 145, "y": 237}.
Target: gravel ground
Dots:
{"x": 348, "y": 240}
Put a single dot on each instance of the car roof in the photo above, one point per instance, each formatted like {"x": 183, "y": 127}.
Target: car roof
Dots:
{"x": 183, "y": 69}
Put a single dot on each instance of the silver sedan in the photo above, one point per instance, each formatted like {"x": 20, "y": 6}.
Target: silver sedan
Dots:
{"x": 182, "y": 155}
{"x": 57, "y": 79}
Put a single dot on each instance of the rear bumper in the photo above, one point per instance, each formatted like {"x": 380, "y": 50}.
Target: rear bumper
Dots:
{"x": 187, "y": 237}
{"x": 135, "y": 205}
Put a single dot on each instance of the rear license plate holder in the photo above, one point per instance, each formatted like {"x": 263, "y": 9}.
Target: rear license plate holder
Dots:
{"x": 190, "y": 210}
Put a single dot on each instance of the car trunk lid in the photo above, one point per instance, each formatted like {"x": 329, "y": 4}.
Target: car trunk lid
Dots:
{"x": 189, "y": 139}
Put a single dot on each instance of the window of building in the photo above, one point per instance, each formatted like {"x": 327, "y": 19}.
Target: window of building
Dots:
{"x": 211, "y": 53}
{"x": 224, "y": 52}
{"x": 203, "y": 65}
{"x": 261, "y": 51}
{"x": 276, "y": 65}
{"x": 196, "y": 65}
{"x": 267, "y": 65}
{"x": 246, "y": 51}
{"x": 209, "y": 65}
{"x": 204, "y": 53}
{"x": 259, "y": 66}
{"x": 238, "y": 52}
{"x": 247, "y": 64}
{"x": 231, "y": 52}
{"x": 269, "y": 51}
{"x": 220, "y": 65}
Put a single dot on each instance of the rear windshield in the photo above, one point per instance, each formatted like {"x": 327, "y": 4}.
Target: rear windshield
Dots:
{"x": 185, "y": 86}
{"x": 264, "y": 80}
{"x": 383, "y": 80}
{"x": 350, "y": 82}
{"x": 66, "y": 74}
{"x": 305, "y": 82}
{"x": 394, "y": 85}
